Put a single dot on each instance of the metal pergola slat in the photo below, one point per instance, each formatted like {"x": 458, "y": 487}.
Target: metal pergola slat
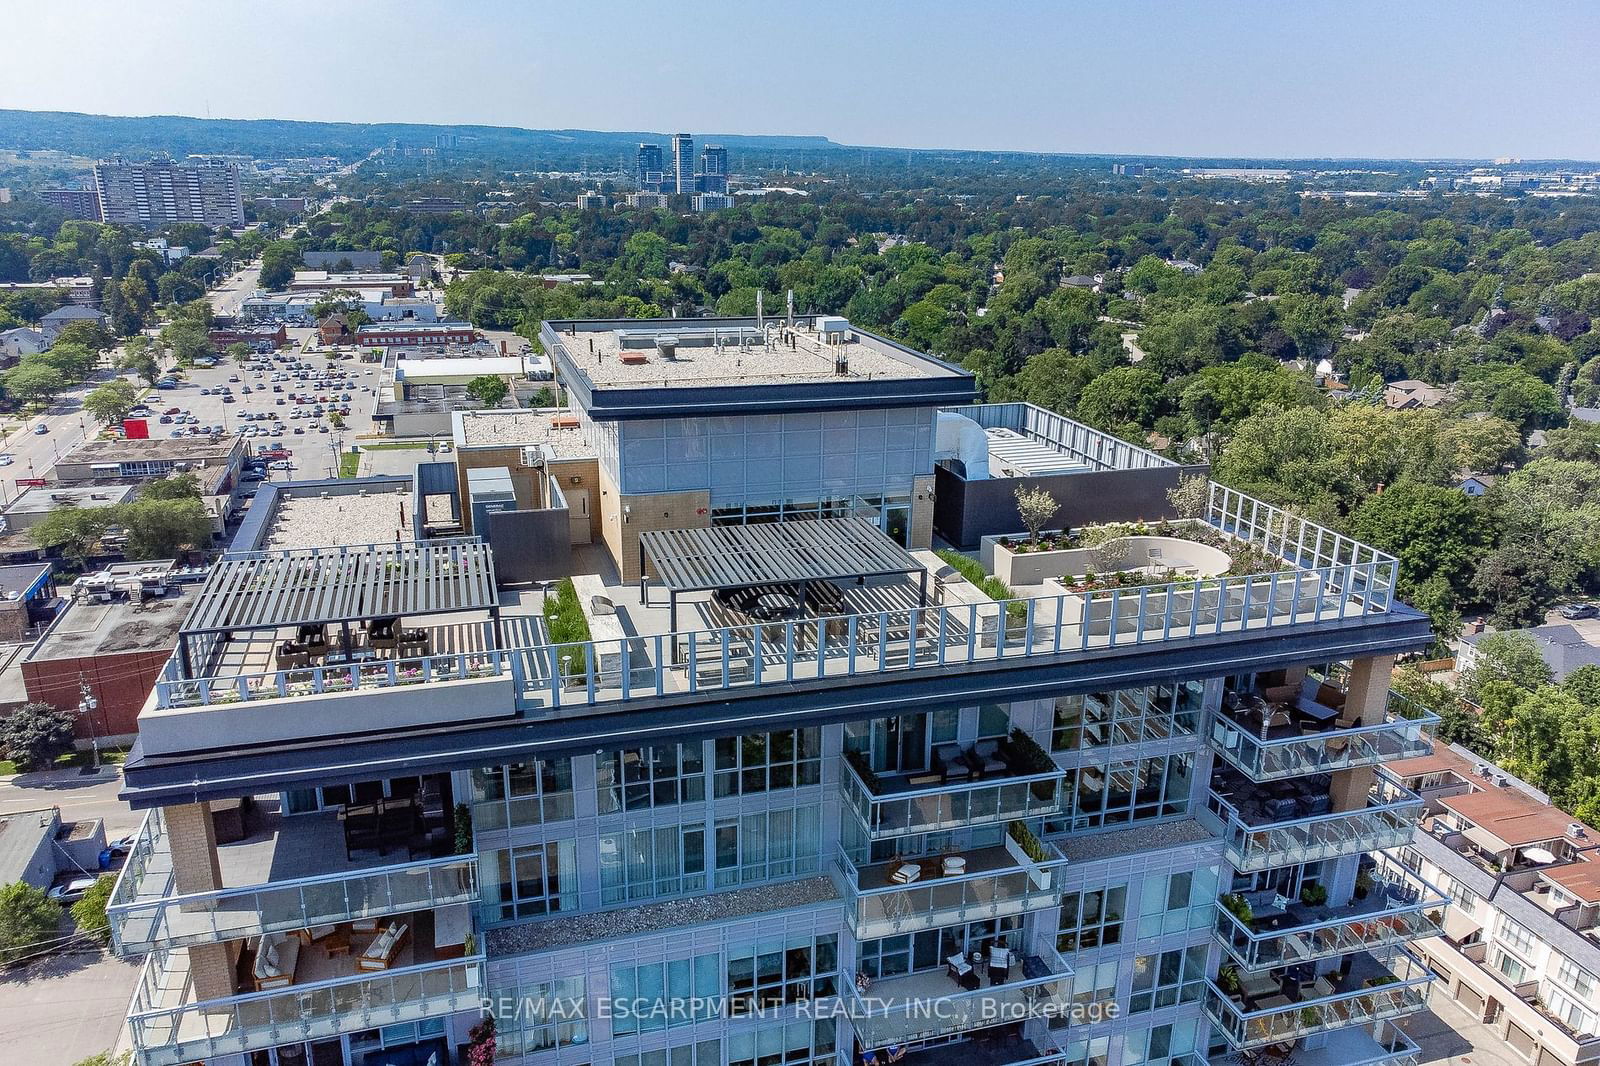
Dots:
{"x": 777, "y": 553}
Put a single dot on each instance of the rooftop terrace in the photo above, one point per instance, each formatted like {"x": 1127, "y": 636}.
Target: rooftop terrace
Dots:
{"x": 510, "y": 429}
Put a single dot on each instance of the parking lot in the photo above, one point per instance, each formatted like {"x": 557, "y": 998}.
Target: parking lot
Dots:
{"x": 285, "y": 390}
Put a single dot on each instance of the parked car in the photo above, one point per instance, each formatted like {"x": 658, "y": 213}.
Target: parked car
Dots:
{"x": 72, "y": 891}
{"x": 41, "y": 429}
{"x": 123, "y": 844}
{"x": 7, "y": 459}
{"x": 282, "y": 464}
{"x": 1575, "y": 611}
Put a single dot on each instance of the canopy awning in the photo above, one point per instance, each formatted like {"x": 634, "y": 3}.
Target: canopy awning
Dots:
{"x": 774, "y": 553}
{"x": 269, "y": 590}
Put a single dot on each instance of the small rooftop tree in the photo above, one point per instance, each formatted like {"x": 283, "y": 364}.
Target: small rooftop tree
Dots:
{"x": 1036, "y": 507}
{"x": 1190, "y": 495}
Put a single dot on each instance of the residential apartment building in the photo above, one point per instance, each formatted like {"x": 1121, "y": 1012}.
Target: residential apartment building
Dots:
{"x": 647, "y": 199}
{"x": 76, "y": 202}
{"x": 683, "y": 164}
{"x": 713, "y": 176}
{"x": 712, "y": 201}
{"x": 1518, "y": 947}
{"x": 161, "y": 192}
{"x": 771, "y": 782}
{"x": 649, "y": 172}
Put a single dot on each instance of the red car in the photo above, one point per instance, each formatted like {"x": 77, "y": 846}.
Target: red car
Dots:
{"x": 173, "y": 411}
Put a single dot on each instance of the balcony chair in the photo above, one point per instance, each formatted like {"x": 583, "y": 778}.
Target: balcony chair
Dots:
{"x": 985, "y": 758}
{"x": 951, "y": 766}
{"x": 952, "y": 866}
{"x": 277, "y": 955}
{"x": 291, "y": 656}
{"x": 906, "y": 873}
{"x": 959, "y": 970}
{"x": 382, "y": 952}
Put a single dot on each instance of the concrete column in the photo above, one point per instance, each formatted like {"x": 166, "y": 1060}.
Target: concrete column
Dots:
{"x": 193, "y": 841}
{"x": 1367, "y": 697}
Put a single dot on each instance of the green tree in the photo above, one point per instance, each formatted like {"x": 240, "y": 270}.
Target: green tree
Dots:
{"x": 74, "y": 531}
{"x": 34, "y": 382}
{"x": 1433, "y": 531}
{"x": 278, "y": 262}
{"x": 162, "y": 528}
{"x": 89, "y": 913}
{"x": 73, "y": 360}
{"x": 139, "y": 357}
{"x": 487, "y": 390}
{"x": 184, "y": 486}
{"x": 1511, "y": 657}
{"x": 1122, "y": 397}
{"x": 35, "y": 733}
{"x": 112, "y": 401}
{"x": 29, "y": 921}
{"x": 187, "y": 340}
{"x": 87, "y": 333}
{"x": 241, "y": 353}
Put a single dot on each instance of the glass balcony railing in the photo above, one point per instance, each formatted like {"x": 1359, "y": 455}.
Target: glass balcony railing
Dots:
{"x": 1371, "y": 992}
{"x": 899, "y": 805}
{"x": 145, "y": 912}
{"x": 1397, "y": 908}
{"x": 167, "y": 1031}
{"x": 921, "y": 1006}
{"x": 1274, "y": 758}
{"x": 1387, "y": 821}
{"x": 1384, "y": 1045}
{"x": 992, "y": 883}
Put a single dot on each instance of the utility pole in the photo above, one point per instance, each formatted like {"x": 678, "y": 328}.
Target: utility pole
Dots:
{"x": 87, "y": 703}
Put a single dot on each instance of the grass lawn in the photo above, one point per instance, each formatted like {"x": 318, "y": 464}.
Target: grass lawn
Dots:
{"x": 399, "y": 446}
{"x": 349, "y": 464}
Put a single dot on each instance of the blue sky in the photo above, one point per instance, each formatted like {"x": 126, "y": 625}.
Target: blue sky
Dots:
{"x": 1402, "y": 78}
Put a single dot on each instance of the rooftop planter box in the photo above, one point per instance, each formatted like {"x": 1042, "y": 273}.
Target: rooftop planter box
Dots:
{"x": 1165, "y": 554}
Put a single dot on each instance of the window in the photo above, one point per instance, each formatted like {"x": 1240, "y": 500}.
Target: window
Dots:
{"x": 1162, "y": 1045}
{"x": 531, "y": 881}
{"x": 1570, "y": 1012}
{"x": 505, "y": 797}
{"x": 1126, "y": 716}
{"x": 1516, "y": 934}
{"x": 800, "y": 1041}
{"x": 776, "y": 973}
{"x": 892, "y": 956}
{"x": 1092, "y": 919}
{"x": 549, "y": 1014}
{"x": 761, "y": 762}
{"x": 1515, "y": 970}
{"x": 662, "y": 775}
{"x": 993, "y": 721}
{"x": 1575, "y": 977}
{"x": 1170, "y": 903}
{"x": 1165, "y": 979}
{"x": 1464, "y": 899}
{"x": 1130, "y": 790}
{"x": 656, "y": 996}
{"x": 1094, "y": 984}
{"x": 768, "y": 844}
{"x": 704, "y": 1053}
{"x": 1088, "y": 1052}
{"x": 652, "y": 862}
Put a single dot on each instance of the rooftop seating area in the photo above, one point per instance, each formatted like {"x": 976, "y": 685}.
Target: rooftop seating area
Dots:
{"x": 1255, "y": 1010}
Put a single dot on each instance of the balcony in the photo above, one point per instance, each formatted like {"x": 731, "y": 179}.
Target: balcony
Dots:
{"x": 1395, "y": 909}
{"x": 1261, "y": 830}
{"x": 993, "y": 882}
{"x": 1385, "y": 1045}
{"x": 1032, "y": 1044}
{"x": 1270, "y": 1011}
{"x": 953, "y": 797}
{"x": 169, "y": 1028}
{"x": 921, "y": 1006}
{"x": 1275, "y": 742}
{"x": 293, "y": 873}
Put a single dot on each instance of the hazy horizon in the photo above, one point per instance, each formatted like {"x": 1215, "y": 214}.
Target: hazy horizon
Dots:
{"x": 1233, "y": 78}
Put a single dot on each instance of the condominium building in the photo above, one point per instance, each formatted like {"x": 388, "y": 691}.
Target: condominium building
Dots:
{"x": 1518, "y": 948}
{"x": 76, "y": 202}
{"x": 712, "y": 201}
{"x": 162, "y": 192}
{"x": 649, "y": 172}
{"x": 770, "y": 781}
{"x": 591, "y": 200}
{"x": 647, "y": 199}
{"x": 683, "y": 164}
{"x": 713, "y": 176}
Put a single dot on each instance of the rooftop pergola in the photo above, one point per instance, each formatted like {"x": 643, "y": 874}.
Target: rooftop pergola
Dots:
{"x": 338, "y": 586}
{"x": 774, "y": 554}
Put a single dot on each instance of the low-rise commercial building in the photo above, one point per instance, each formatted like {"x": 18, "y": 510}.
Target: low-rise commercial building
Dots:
{"x": 415, "y": 334}
{"x": 31, "y": 506}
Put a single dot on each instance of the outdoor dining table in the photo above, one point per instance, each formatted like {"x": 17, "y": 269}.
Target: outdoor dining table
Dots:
{"x": 1316, "y": 712}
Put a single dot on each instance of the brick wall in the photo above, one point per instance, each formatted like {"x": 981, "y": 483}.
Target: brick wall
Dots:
{"x": 121, "y": 682}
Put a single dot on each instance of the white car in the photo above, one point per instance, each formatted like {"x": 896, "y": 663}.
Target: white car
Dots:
{"x": 281, "y": 464}
{"x": 72, "y": 891}
{"x": 7, "y": 459}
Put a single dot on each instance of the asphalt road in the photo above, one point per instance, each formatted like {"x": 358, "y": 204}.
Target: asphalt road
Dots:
{"x": 226, "y": 298}
{"x": 79, "y": 796}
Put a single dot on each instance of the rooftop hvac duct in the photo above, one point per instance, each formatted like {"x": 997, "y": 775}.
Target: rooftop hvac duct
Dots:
{"x": 667, "y": 347}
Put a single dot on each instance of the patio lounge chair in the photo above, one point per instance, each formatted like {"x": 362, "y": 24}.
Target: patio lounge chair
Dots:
{"x": 277, "y": 954}
{"x": 381, "y": 953}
